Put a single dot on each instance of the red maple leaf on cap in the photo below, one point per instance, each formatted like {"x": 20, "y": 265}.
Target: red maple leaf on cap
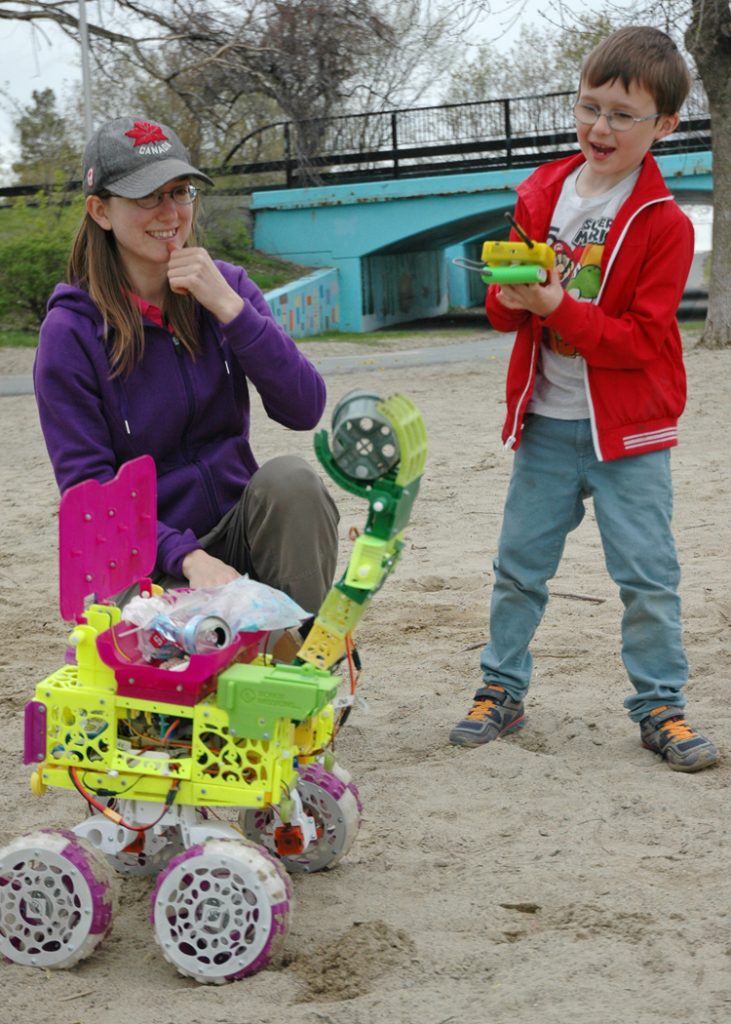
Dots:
{"x": 145, "y": 131}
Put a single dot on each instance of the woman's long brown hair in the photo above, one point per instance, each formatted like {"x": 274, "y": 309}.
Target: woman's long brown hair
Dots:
{"x": 95, "y": 266}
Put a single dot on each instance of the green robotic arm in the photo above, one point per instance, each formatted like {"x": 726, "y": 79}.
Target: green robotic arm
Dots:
{"x": 378, "y": 453}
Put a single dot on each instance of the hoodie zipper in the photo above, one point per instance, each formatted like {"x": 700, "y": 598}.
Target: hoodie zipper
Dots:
{"x": 190, "y": 401}
{"x": 123, "y": 405}
{"x": 187, "y": 387}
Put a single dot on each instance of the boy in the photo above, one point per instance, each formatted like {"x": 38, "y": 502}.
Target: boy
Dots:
{"x": 595, "y": 387}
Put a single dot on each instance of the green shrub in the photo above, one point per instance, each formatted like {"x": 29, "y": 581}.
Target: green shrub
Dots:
{"x": 36, "y": 237}
{"x": 18, "y": 339}
{"x": 30, "y": 268}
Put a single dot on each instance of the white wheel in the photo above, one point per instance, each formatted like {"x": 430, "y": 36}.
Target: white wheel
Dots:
{"x": 57, "y": 899}
{"x": 221, "y": 910}
{"x": 332, "y": 800}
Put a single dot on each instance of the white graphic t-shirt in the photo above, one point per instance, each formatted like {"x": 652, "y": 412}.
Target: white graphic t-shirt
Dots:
{"x": 578, "y": 231}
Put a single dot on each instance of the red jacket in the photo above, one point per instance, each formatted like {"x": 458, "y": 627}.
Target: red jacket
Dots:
{"x": 629, "y": 336}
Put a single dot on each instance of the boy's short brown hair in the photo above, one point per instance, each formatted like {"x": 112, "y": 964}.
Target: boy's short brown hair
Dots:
{"x": 643, "y": 55}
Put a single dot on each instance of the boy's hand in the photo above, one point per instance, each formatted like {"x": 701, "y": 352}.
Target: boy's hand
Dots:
{"x": 540, "y": 299}
{"x": 192, "y": 270}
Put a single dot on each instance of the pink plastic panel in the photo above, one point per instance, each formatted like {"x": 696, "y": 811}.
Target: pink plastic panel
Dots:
{"x": 137, "y": 678}
{"x": 36, "y": 722}
{"x": 107, "y": 535}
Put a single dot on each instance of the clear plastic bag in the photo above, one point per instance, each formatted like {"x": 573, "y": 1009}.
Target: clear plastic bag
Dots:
{"x": 249, "y": 606}
{"x": 193, "y": 621}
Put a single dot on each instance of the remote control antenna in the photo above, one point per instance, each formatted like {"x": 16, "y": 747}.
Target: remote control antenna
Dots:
{"x": 523, "y": 236}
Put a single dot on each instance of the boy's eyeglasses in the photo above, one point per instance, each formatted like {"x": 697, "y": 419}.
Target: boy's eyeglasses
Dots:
{"x": 181, "y": 195}
{"x": 618, "y": 120}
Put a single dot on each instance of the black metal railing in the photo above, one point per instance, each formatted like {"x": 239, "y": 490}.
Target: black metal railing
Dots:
{"x": 495, "y": 134}
{"x": 420, "y": 141}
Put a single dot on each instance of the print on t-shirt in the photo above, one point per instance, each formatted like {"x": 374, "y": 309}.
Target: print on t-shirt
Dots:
{"x": 580, "y": 227}
{"x": 578, "y": 262}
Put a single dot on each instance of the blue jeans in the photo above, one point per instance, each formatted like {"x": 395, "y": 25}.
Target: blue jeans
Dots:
{"x": 554, "y": 472}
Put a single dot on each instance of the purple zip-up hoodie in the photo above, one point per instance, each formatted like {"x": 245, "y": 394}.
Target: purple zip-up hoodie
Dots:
{"x": 191, "y": 415}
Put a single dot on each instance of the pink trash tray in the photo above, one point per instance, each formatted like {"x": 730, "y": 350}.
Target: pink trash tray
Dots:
{"x": 138, "y": 678}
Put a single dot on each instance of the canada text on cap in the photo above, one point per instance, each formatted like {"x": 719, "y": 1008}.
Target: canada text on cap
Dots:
{"x": 133, "y": 157}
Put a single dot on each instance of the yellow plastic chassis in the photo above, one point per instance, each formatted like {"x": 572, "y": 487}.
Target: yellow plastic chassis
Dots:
{"x": 210, "y": 767}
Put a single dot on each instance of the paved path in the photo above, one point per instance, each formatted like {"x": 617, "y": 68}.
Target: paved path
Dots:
{"x": 456, "y": 352}
{"x": 370, "y": 359}
{"x": 16, "y": 384}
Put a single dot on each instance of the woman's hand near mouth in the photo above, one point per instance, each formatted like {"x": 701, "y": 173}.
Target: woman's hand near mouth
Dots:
{"x": 192, "y": 270}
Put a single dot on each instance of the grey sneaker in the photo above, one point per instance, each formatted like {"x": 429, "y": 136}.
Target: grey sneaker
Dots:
{"x": 492, "y": 715}
{"x": 667, "y": 733}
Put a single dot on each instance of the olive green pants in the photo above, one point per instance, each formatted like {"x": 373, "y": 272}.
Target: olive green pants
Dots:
{"x": 283, "y": 531}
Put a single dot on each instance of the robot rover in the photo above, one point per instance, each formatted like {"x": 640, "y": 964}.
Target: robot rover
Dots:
{"x": 156, "y": 753}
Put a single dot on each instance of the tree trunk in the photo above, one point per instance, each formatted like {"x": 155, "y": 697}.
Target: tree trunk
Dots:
{"x": 709, "y": 40}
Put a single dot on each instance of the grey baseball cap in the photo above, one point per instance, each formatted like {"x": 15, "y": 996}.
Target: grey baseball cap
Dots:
{"x": 132, "y": 157}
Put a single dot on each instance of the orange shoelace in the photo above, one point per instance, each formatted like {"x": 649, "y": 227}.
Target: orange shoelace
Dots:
{"x": 481, "y": 708}
{"x": 678, "y": 728}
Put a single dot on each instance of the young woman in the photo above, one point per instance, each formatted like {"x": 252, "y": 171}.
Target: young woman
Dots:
{"x": 151, "y": 348}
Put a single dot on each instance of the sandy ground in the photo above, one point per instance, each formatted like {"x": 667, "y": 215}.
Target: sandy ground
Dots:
{"x": 559, "y": 876}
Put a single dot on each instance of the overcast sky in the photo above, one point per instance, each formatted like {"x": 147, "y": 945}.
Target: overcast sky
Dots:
{"x": 28, "y": 62}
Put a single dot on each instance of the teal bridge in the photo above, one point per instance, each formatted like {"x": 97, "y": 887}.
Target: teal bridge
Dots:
{"x": 385, "y": 248}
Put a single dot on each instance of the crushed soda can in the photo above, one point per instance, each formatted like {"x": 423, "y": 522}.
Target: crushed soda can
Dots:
{"x": 200, "y": 634}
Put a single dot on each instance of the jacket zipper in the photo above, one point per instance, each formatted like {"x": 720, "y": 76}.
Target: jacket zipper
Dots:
{"x": 610, "y": 264}
{"x": 202, "y": 470}
{"x": 592, "y": 417}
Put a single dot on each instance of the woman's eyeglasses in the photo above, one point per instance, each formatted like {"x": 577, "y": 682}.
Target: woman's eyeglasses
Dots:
{"x": 181, "y": 195}
{"x": 618, "y": 120}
